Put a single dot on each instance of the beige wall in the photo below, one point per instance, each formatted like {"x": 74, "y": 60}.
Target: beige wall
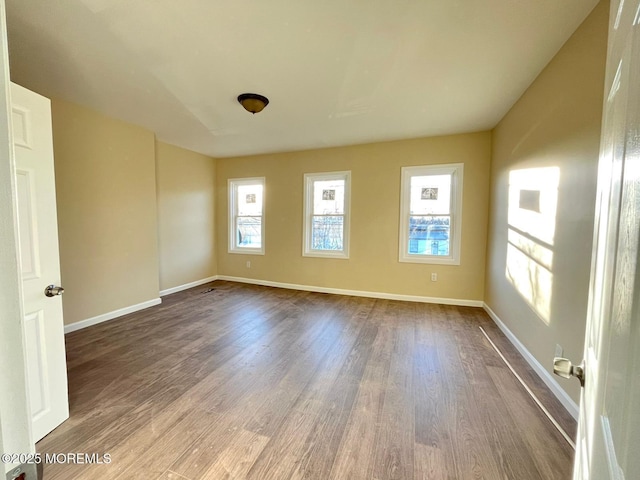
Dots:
{"x": 185, "y": 183}
{"x": 375, "y": 183}
{"x": 554, "y": 125}
{"x": 106, "y": 196}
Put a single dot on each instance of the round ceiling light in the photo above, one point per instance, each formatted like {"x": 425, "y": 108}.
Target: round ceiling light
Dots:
{"x": 252, "y": 102}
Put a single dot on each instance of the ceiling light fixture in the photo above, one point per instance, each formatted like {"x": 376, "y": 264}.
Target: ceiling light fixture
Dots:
{"x": 252, "y": 102}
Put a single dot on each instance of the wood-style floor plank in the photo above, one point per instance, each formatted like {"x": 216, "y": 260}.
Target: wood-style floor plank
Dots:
{"x": 238, "y": 457}
{"x": 393, "y": 456}
{"x": 541, "y": 438}
{"x": 472, "y": 455}
{"x": 356, "y": 454}
{"x": 250, "y": 382}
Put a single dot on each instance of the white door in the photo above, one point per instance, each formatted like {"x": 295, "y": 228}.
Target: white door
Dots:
{"x": 38, "y": 232}
{"x": 608, "y": 444}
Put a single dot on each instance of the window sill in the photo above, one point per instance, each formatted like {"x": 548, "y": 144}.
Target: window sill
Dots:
{"x": 248, "y": 251}
{"x": 430, "y": 260}
{"x": 321, "y": 254}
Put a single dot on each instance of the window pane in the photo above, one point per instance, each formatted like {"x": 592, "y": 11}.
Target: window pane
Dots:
{"x": 326, "y": 233}
{"x": 249, "y": 200}
{"x": 328, "y": 197}
{"x": 430, "y": 194}
{"x": 429, "y": 235}
{"x": 249, "y": 231}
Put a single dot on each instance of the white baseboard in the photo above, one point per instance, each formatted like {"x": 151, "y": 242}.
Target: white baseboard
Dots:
{"x": 355, "y": 293}
{"x": 543, "y": 373}
{"x": 186, "y": 286}
{"x": 110, "y": 315}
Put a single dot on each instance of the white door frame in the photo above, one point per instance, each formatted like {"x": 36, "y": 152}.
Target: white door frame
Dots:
{"x": 15, "y": 418}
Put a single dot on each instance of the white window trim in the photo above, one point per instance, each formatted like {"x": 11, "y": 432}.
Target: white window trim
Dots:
{"x": 455, "y": 234}
{"x": 309, "y": 179}
{"x": 232, "y": 188}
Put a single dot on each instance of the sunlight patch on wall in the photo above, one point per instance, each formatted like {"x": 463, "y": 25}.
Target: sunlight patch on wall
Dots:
{"x": 524, "y": 185}
{"x": 535, "y": 251}
{"x": 533, "y": 201}
{"x": 532, "y": 281}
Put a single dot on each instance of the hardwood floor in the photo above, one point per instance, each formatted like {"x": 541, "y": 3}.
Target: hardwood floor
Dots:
{"x": 265, "y": 383}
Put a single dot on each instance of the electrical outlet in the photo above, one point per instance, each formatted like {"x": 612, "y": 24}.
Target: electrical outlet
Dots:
{"x": 434, "y": 277}
{"x": 248, "y": 263}
{"x": 559, "y": 351}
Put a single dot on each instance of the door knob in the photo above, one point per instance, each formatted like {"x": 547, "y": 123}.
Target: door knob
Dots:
{"x": 52, "y": 291}
{"x": 565, "y": 369}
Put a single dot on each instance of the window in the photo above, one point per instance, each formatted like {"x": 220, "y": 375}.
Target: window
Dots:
{"x": 326, "y": 214}
{"x": 431, "y": 214}
{"x": 246, "y": 222}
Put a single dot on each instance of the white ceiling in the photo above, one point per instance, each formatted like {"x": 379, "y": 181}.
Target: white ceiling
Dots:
{"x": 337, "y": 72}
